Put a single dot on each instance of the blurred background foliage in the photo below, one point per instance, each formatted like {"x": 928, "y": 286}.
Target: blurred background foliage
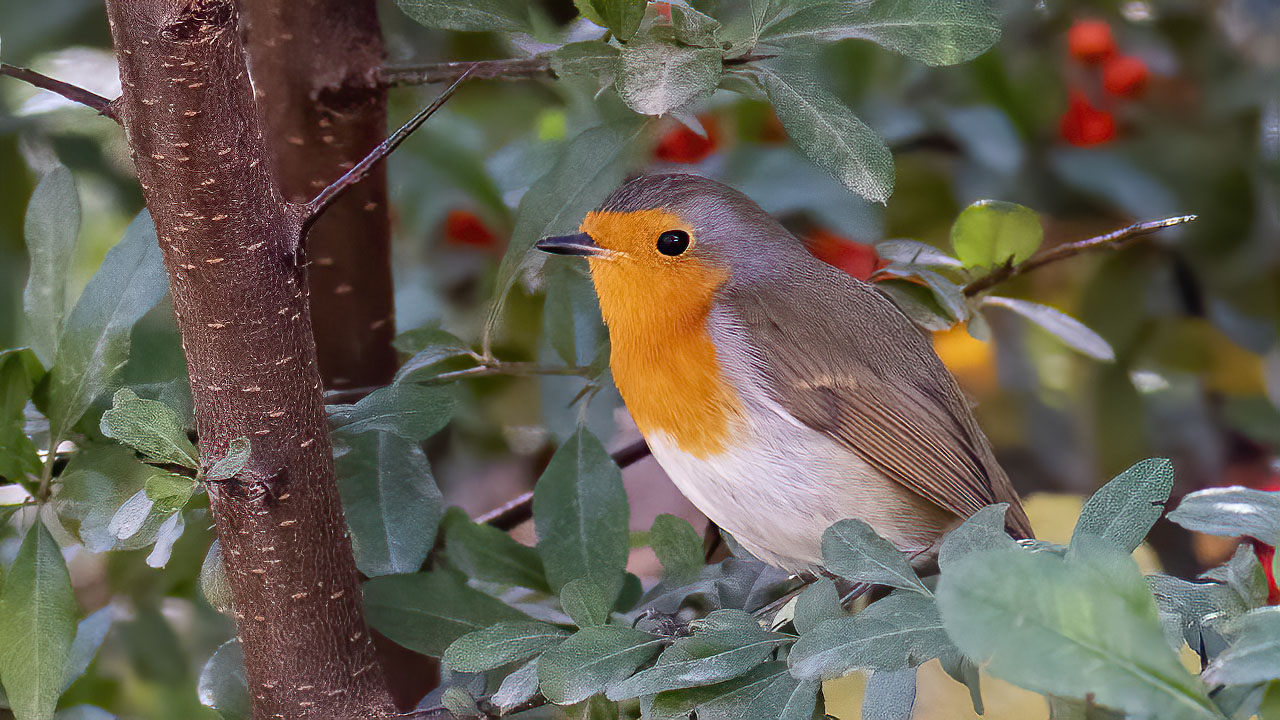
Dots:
{"x": 1095, "y": 114}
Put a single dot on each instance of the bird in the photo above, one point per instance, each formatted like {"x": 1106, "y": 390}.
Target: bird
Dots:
{"x": 778, "y": 393}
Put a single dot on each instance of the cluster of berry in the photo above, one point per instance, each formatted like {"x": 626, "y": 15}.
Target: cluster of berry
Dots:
{"x": 1124, "y": 77}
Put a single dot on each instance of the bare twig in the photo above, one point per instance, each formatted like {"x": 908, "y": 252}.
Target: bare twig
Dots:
{"x": 313, "y": 209}
{"x": 71, "y": 92}
{"x": 518, "y": 369}
{"x": 1111, "y": 241}
{"x": 504, "y": 69}
{"x": 520, "y": 508}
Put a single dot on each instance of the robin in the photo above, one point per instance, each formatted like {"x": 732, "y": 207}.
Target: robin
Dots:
{"x": 780, "y": 394}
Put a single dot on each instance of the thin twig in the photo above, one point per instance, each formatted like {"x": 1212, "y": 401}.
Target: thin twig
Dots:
{"x": 316, "y": 207}
{"x": 1111, "y": 241}
{"x": 520, "y": 508}
{"x": 503, "y": 69}
{"x": 71, "y": 92}
{"x": 518, "y": 369}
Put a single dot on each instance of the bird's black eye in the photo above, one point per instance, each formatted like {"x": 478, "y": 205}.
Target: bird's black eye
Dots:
{"x": 673, "y": 242}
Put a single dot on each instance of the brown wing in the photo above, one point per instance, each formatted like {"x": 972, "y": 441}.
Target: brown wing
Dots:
{"x": 841, "y": 358}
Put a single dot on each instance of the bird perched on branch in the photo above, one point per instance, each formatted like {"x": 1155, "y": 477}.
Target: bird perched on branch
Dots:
{"x": 780, "y": 394}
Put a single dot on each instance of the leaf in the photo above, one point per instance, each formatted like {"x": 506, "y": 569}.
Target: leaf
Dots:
{"x": 426, "y": 612}
{"x": 1123, "y": 511}
{"x": 473, "y": 15}
{"x": 51, "y": 227}
{"x": 817, "y": 603}
{"x": 589, "y": 602}
{"x": 912, "y": 252}
{"x": 518, "y": 687}
{"x": 170, "y": 530}
{"x": 694, "y": 28}
{"x": 983, "y": 530}
{"x": 990, "y": 233}
{"x": 1195, "y": 613}
{"x": 501, "y": 644}
{"x": 430, "y": 347}
{"x": 935, "y": 32}
{"x": 100, "y": 479}
{"x": 214, "y": 584}
{"x": 459, "y": 702}
{"x": 83, "y": 712}
{"x": 39, "y": 609}
{"x": 1086, "y": 628}
{"x": 899, "y": 631}
{"x": 168, "y": 492}
{"x": 570, "y": 312}
{"x": 581, "y": 514}
{"x": 20, "y": 370}
{"x": 768, "y": 691}
{"x": 724, "y": 645}
{"x": 131, "y": 516}
{"x": 223, "y": 685}
{"x": 918, "y": 303}
{"x": 592, "y": 659}
{"x": 1070, "y": 331}
{"x": 486, "y": 553}
{"x": 412, "y": 411}
{"x": 656, "y": 78}
{"x": 590, "y": 58}
{"x": 890, "y": 695}
{"x": 1254, "y": 657}
{"x": 94, "y": 344}
{"x": 852, "y": 550}
{"x": 621, "y": 16}
{"x": 149, "y": 427}
{"x": 828, "y": 133}
{"x": 230, "y": 464}
{"x": 1231, "y": 511}
{"x": 90, "y": 632}
{"x": 678, "y": 547}
{"x": 1244, "y": 574}
{"x": 390, "y": 501}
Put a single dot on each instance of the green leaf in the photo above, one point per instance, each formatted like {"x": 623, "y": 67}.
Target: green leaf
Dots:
{"x": 724, "y": 645}
{"x": 852, "y": 550}
{"x": 694, "y": 28}
{"x": 828, "y": 133}
{"x": 473, "y": 15}
{"x": 214, "y": 584}
{"x": 459, "y": 702}
{"x": 500, "y": 644}
{"x": 1085, "y": 628}
{"x": 1123, "y": 511}
{"x": 912, "y": 252}
{"x": 990, "y": 233}
{"x": 817, "y": 603}
{"x": 1070, "y": 331}
{"x": 168, "y": 492}
{"x": 1231, "y": 511}
{"x": 593, "y": 659}
{"x": 621, "y": 16}
{"x": 150, "y": 427}
{"x": 90, "y": 632}
{"x": 898, "y": 631}
{"x": 439, "y": 347}
{"x": 656, "y": 78}
{"x": 589, "y": 602}
{"x": 571, "y": 313}
{"x": 230, "y": 464}
{"x": 39, "y": 609}
{"x": 581, "y": 514}
{"x": 768, "y": 691}
{"x": 486, "y": 553}
{"x": 1243, "y": 573}
{"x": 678, "y": 547}
{"x": 984, "y": 530}
{"x": 411, "y": 411}
{"x": 935, "y": 32}
{"x": 1254, "y": 657}
{"x": 223, "y": 685}
{"x": 590, "y": 58}
{"x": 917, "y": 302}
{"x": 1195, "y": 613}
{"x": 94, "y": 344}
{"x": 52, "y": 224}
{"x": 428, "y": 611}
{"x": 98, "y": 481}
{"x": 19, "y": 372}
{"x": 390, "y": 501}
{"x": 518, "y": 687}
{"x": 890, "y": 695}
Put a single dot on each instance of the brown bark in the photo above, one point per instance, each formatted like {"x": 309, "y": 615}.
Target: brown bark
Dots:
{"x": 316, "y": 72}
{"x": 240, "y": 298}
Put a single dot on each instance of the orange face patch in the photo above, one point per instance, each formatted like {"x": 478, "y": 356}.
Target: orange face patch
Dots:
{"x": 656, "y": 308}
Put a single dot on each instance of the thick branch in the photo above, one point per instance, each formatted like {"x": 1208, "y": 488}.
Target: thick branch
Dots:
{"x": 71, "y": 92}
{"x": 241, "y": 305}
{"x": 1111, "y": 241}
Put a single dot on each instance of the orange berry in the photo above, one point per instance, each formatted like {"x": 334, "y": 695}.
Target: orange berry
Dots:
{"x": 1125, "y": 76}
{"x": 463, "y": 227}
{"x": 1083, "y": 124}
{"x": 1090, "y": 41}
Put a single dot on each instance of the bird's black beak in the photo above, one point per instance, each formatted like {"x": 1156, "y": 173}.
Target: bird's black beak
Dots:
{"x": 579, "y": 244}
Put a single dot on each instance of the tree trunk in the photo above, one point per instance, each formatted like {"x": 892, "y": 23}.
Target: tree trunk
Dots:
{"x": 315, "y": 69}
{"x": 240, "y": 297}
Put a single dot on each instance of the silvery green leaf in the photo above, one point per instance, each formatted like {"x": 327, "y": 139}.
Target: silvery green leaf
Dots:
{"x": 935, "y": 32}
{"x": 694, "y": 28}
{"x": 984, "y": 530}
{"x": 168, "y": 492}
{"x": 656, "y": 78}
{"x": 230, "y": 464}
{"x": 853, "y": 550}
{"x": 768, "y": 691}
{"x": 620, "y": 16}
{"x": 150, "y": 427}
{"x": 473, "y": 15}
{"x": 1123, "y": 511}
{"x": 500, "y": 644}
{"x": 592, "y": 58}
{"x": 100, "y": 478}
{"x": 899, "y": 631}
{"x": 1070, "y": 331}
{"x": 817, "y": 603}
{"x": 593, "y": 659}
{"x": 213, "y": 579}
{"x": 890, "y": 695}
{"x": 130, "y": 517}
{"x": 589, "y": 602}
{"x": 428, "y": 611}
{"x": 1231, "y": 511}
{"x": 90, "y": 632}
{"x": 1254, "y": 656}
{"x": 52, "y": 224}
{"x": 413, "y": 412}
{"x": 678, "y": 547}
{"x": 518, "y": 687}
{"x": 1243, "y": 573}
{"x": 459, "y": 702}
{"x": 828, "y": 133}
{"x": 1195, "y": 613}
{"x": 223, "y": 685}
{"x": 486, "y": 553}
{"x": 170, "y": 530}
{"x": 913, "y": 252}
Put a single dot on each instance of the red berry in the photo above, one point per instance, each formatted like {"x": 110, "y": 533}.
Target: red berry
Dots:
{"x": 1090, "y": 41}
{"x": 682, "y": 145}
{"x": 463, "y": 227}
{"x": 1125, "y": 76}
{"x": 858, "y": 259}
{"x": 1083, "y": 124}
